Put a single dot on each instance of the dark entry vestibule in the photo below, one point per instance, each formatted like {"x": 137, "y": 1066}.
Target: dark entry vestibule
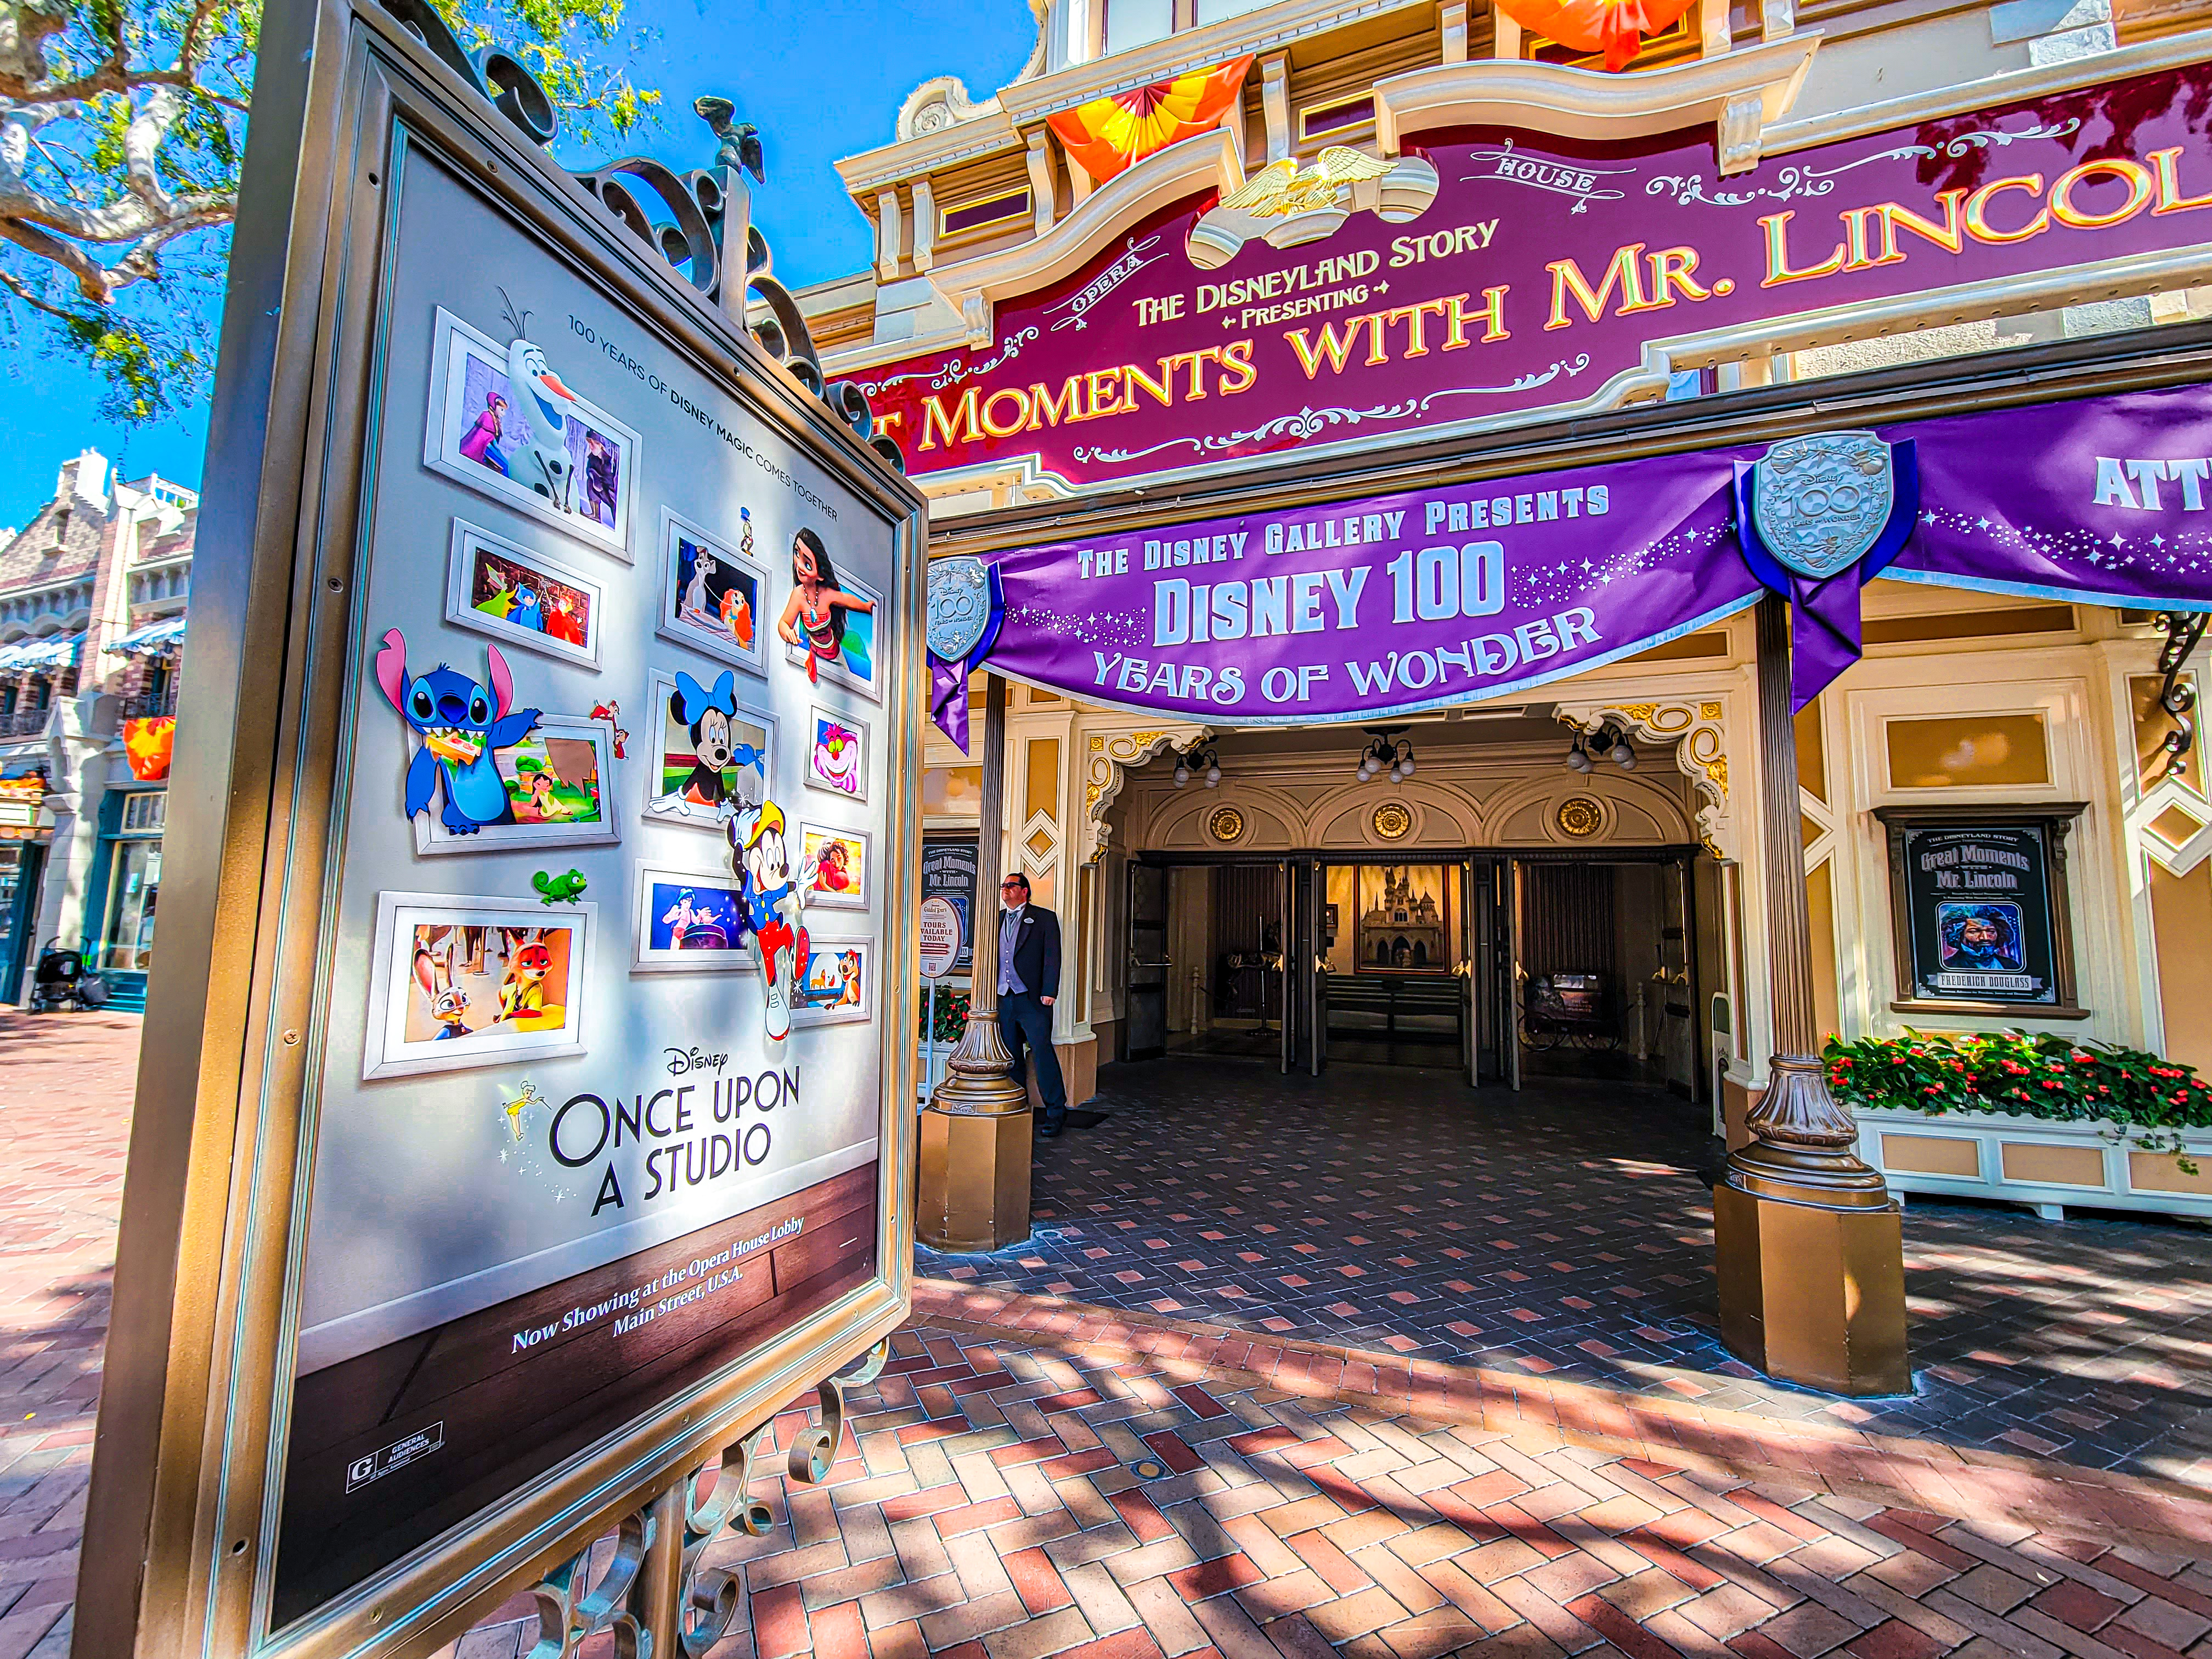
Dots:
{"x": 1487, "y": 964}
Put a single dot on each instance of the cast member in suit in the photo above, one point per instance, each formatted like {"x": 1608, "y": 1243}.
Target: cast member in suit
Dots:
{"x": 1028, "y": 978}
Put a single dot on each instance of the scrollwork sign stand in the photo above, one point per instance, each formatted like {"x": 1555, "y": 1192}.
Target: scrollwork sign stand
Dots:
{"x": 700, "y": 222}
{"x": 654, "y": 1592}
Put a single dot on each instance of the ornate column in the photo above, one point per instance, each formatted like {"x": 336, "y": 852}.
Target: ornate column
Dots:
{"x": 973, "y": 1181}
{"x": 1810, "y": 1242}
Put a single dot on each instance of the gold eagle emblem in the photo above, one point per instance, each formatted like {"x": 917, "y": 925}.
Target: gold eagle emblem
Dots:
{"x": 1283, "y": 188}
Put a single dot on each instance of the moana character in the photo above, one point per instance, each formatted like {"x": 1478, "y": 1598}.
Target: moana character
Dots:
{"x": 814, "y": 617}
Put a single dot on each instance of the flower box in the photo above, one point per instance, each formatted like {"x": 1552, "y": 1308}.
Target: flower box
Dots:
{"x": 2036, "y": 1162}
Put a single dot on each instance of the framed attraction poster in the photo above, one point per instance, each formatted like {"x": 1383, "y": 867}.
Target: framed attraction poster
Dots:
{"x": 706, "y": 753}
{"x": 1980, "y": 911}
{"x": 948, "y": 871}
{"x": 558, "y": 778}
{"x": 459, "y": 983}
{"x": 565, "y": 1131}
{"x": 690, "y": 921}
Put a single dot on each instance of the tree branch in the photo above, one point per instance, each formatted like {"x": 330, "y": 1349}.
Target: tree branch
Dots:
{"x": 22, "y": 291}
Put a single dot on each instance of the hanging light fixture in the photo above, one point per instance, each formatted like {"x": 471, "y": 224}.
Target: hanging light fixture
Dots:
{"x": 1201, "y": 761}
{"x": 1608, "y": 742}
{"x": 1387, "y": 753}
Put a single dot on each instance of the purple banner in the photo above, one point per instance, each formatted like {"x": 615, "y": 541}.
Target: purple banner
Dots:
{"x": 1377, "y": 607}
{"x": 2105, "y": 499}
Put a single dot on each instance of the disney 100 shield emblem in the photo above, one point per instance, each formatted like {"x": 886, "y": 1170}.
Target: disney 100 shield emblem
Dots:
{"x": 1820, "y": 502}
{"x": 959, "y": 607}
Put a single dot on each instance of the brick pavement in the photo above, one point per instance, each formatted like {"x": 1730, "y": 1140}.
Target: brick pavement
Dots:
{"x": 1567, "y": 1232}
{"x": 1033, "y": 1478}
{"x": 65, "y": 1084}
{"x": 1115, "y": 1495}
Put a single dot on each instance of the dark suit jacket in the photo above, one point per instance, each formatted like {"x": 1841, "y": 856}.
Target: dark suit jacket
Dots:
{"x": 1036, "y": 951}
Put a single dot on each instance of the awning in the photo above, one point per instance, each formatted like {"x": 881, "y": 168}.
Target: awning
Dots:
{"x": 59, "y": 652}
{"x": 152, "y": 640}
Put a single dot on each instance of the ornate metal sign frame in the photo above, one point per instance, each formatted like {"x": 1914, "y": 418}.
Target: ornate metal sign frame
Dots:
{"x": 179, "y": 1541}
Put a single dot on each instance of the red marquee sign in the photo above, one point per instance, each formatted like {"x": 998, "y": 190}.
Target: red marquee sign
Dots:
{"x": 1488, "y": 274}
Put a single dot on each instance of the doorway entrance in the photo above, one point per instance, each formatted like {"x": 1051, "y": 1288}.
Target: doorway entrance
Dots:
{"x": 1604, "y": 971}
{"x": 1490, "y": 964}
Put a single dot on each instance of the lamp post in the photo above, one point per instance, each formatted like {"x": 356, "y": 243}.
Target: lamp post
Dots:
{"x": 1809, "y": 1243}
{"x": 973, "y": 1179}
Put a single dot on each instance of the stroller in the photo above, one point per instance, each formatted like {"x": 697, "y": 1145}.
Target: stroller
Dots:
{"x": 62, "y": 981}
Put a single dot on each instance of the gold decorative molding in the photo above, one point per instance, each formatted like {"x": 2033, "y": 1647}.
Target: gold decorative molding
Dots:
{"x": 1393, "y": 821}
{"x": 1580, "y": 817}
{"x": 1698, "y": 734}
{"x": 1738, "y": 92}
{"x": 1225, "y": 823}
{"x": 1108, "y": 757}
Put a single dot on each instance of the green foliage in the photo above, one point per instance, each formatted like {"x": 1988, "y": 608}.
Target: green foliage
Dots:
{"x": 115, "y": 240}
{"x": 952, "y": 1016}
{"x": 2023, "y": 1074}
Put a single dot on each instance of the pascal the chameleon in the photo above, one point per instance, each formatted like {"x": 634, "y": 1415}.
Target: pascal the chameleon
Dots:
{"x": 558, "y": 890}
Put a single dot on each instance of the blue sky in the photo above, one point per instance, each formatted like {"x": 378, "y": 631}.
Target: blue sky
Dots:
{"x": 819, "y": 84}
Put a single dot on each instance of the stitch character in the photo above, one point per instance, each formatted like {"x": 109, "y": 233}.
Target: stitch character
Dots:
{"x": 460, "y": 722}
{"x": 814, "y": 617}
{"x": 448, "y": 1002}
{"x": 774, "y": 905}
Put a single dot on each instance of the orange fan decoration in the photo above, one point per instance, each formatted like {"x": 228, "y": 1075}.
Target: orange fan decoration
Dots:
{"x": 1617, "y": 28}
{"x": 147, "y": 745}
{"x": 1106, "y": 134}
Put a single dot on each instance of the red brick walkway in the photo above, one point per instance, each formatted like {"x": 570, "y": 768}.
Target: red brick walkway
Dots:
{"x": 1012, "y": 1496}
{"x": 1033, "y": 1478}
{"x": 65, "y": 1084}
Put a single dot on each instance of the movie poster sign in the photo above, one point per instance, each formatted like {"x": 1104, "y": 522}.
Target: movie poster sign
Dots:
{"x": 1487, "y": 275}
{"x": 586, "y": 1144}
{"x": 1980, "y": 912}
{"x": 948, "y": 871}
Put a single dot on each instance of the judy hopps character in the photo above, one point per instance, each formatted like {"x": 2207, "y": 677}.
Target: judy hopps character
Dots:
{"x": 546, "y": 407}
{"x": 460, "y": 722}
{"x": 449, "y": 1003}
{"x": 774, "y": 897}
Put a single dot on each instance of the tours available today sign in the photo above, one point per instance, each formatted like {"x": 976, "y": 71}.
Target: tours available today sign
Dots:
{"x": 1490, "y": 274}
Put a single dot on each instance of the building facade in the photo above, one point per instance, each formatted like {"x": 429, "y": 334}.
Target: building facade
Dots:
{"x": 92, "y": 593}
{"x": 1005, "y": 243}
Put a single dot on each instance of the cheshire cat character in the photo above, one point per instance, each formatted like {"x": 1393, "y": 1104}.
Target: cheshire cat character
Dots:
{"x": 460, "y": 722}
